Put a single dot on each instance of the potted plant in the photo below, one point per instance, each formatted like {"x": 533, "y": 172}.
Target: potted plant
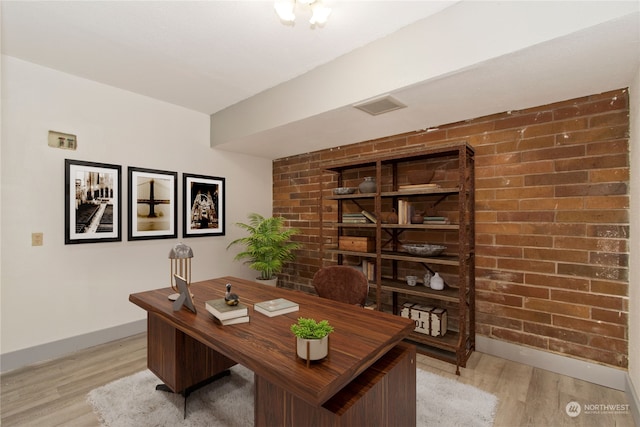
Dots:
{"x": 267, "y": 247}
{"x": 312, "y": 338}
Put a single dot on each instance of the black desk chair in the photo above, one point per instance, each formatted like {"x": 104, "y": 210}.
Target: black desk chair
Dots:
{"x": 342, "y": 283}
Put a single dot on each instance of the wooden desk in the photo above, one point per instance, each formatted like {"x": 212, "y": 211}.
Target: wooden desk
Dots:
{"x": 369, "y": 372}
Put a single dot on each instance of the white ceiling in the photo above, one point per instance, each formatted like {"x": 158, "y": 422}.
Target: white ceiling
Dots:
{"x": 209, "y": 56}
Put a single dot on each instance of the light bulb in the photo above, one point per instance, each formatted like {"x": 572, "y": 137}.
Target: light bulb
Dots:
{"x": 320, "y": 14}
{"x": 284, "y": 9}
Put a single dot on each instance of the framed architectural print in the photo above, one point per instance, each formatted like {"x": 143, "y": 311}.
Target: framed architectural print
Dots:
{"x": 92, "y": 202}
{"x": 203, "y": 205}
{"x": 153, "y": 204}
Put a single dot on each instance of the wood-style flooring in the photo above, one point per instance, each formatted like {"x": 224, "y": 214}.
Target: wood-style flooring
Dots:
{"x": 54, "y": 393}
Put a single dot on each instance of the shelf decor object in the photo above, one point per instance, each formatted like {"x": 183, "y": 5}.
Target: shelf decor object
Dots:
{"x": 180, "y": 264}
{"x": 440, "y": 247}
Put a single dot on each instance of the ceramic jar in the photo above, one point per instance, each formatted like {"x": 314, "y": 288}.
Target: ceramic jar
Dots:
{"x": 368, "y": 185}
{"x": 427, "y": 278}
{"x": 389, "y": 217}
{"x": 317, "y": 348}
{"x": 412, "y": 280}
{"x": 437, "y": 282}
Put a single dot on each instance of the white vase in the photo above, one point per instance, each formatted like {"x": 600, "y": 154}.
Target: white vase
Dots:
{"x": 268, "y": 282}
{"x": 318, "y": 348}
{"x": 437, "y": 282}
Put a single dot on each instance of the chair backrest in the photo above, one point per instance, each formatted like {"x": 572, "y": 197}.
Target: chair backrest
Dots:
{"x": 342, "y": 283}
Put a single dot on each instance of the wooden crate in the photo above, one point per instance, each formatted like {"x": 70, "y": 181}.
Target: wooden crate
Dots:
{"x": 429, "y": 320}
{"x": 357, "y": 244}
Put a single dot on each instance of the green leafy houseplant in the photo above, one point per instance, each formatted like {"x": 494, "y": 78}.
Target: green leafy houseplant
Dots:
{"x": 268, "y": 246}
{"x": 310, "y": 329}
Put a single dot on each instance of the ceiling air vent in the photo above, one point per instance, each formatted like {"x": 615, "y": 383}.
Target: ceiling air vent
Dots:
{"x": 380, "y": 105}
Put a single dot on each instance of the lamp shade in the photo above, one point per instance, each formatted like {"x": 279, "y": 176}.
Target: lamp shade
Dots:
{"x": 180, "y": 251}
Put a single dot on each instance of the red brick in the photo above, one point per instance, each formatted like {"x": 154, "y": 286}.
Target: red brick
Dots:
{"x": 496, "y": 298}
{"x": 527, "y": 265}
{"x": 518, "y": 119}
{"x": 607, "y": 148}
{"x": 610, "y": 316}
{"x": 590, "y": 326}
{"x": 610, "y": 288}
{"x": 586, "y": 299}
{"x": 554, "y": 153}
{"x": 502, "y": 322}
{"x": 549, "y": 306}
{"x": 525, "y": 291}
{"x": 594, "y": 216}
{"x": 543, "y": 241}
{"x": 594, "y": 272}
{"x": 553, "y": 281}
{"x": 556, "y": 255}
{"x": 557, "y": 333}
{"x": 609, "y": 175}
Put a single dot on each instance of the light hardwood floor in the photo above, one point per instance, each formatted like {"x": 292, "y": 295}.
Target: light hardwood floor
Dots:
{"x": 53, "y": 393}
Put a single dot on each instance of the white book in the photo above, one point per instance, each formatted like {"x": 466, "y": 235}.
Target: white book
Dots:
{"x": 276, "y": 307}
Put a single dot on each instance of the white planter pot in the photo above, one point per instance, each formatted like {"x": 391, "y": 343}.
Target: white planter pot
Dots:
{"x": 269, "y": 282}
{"x": 318, "y": 348}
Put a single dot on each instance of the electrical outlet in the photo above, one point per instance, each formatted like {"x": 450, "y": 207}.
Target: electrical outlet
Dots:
{"x": 37, "y": 239}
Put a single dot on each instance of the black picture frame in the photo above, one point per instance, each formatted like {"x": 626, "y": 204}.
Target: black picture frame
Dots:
{"x": 153, "y": 204}
{"x": 93, "y": 202}
{"x": 203, "y": 205}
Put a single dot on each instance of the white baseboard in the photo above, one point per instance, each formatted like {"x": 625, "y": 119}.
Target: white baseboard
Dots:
{"x": 634, "y": 402}
{"x": 598, "y": 374}
{"x": 40, "y": 353}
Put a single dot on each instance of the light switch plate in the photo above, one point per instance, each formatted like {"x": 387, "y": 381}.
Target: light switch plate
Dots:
{"x": 37, "y": 239}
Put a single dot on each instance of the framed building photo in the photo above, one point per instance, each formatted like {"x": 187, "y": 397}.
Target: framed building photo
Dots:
{"x": 153, "y": 204}
{"x": 92, "y": 202}
{"x": 203, "y": 205}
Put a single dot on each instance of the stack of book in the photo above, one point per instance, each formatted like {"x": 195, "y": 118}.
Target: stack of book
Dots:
{"x": 227, "y": 314}
{"x": 354, "y": 218}
{"x": 436, "y": 220}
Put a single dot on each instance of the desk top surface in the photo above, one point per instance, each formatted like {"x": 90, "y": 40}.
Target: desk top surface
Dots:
{"x": 267, "y": 346}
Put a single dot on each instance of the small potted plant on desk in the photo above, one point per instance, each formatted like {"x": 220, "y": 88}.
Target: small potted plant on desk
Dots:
{"x": 267, "y": 247}
{"x": 312, "y": 338}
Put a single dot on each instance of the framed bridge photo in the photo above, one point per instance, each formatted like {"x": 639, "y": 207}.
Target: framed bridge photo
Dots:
{"x": 203, "y": 202}
{"x": 153, "y": 204}
{"x": 93, "y": 211}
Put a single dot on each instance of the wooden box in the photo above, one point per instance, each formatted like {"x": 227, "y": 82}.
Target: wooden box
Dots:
{"x": 429, "y": 320}
{"x": 357, "y": 244}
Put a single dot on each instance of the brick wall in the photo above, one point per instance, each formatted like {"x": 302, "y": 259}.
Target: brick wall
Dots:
{"x": 552, "y": 221}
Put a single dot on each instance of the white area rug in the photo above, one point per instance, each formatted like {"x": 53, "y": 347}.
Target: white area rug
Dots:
{"x": 228, "y": 402}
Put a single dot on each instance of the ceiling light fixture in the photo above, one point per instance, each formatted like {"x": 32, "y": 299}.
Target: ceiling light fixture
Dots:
{"x": 319, "y": 12}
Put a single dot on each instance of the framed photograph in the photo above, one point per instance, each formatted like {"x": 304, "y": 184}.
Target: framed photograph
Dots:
{"x": 93, "y": 209}
{"x": 203, "y": 206}
{"x": 153, "y": 204}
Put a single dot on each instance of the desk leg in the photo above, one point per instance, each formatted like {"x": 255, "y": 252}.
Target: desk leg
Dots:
{"x": 180, "y": 361}
{"x": 383, "y": 395}
{"x": 189, "y": 390}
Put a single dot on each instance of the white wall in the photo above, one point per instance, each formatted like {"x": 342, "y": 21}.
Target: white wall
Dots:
{"x": 634, "y": 241}
{"x": 56, "y": 291}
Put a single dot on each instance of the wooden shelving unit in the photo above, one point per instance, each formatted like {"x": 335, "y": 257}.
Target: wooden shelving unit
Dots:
{"x": 452, "y": 197}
